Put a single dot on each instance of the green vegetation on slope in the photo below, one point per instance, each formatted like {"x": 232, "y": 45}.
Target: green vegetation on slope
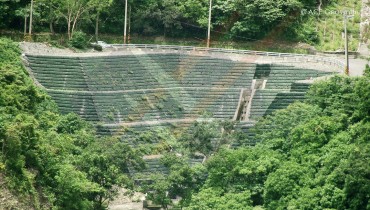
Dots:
{"x": 325, "y": 28}
{"x": 313, "y": 155}
{"x": 54, "y": 159}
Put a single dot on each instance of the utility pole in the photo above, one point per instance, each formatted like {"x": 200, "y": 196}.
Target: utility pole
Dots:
{"x": 31, "y": 11}
{"x": 25, "y": 25}
{"x": 209, "y": 23}
{"x": 346, "y": 70}
{"x": 125, "y": 30}
{"x": 129, "y": 26}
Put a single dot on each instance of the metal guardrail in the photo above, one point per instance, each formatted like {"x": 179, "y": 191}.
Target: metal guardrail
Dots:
{"x": 314, "y": 58}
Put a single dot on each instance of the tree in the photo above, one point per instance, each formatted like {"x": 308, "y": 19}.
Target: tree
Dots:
{"x": 24, "y": 13}
{"x": 243, "y": 169}
{"x": 73, "y": 189}
{"x": 72, "y": 11}
{"x": 8, "y": 12}
{"x": 158, "y": 190}
{"x": 106, "y": 163}
{"x": 182, "y": 181}
{"x": 201, "y": 136}
{"x": 367, "y": 71}
{"x": 275, "y": 128}
{"x": 167, "y": 16}
{"x": 100, "y": 6}
{"x": 48, "y": 155}
{"x": 214, "y": 198}
{"x": 50, "y": 12}
{"x": 252, "y": 18}
{"x": 284, "y": 184}
{"x": 312, "y": 155}
{"x": 357, "y": 170}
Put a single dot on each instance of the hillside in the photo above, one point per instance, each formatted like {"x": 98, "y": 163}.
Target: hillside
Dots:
{"x": 10, "y": 200}
{"x": 259, "y": 25}
{"x": 51, "y": 159}
{"x": 88, "y": 127}
{"x": 312, "y": 154}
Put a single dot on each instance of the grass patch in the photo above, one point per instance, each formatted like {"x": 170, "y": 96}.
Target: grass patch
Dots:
{"x": 329, "y": 25}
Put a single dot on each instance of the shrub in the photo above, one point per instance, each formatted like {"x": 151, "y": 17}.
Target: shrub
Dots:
{"x": 43, "y": 38}
{"x": 160, "y": 106}
{"x": 98, "y": 48}
{"x": 9, "y": 51}
{"x": 79, "y": 40}
{"x": 367, "y": 71}
{"x": 56, "y": 44}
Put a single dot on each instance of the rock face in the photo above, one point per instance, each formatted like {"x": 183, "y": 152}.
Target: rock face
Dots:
{"x": 10, "y": 201}
{"x": 125, "y": 202}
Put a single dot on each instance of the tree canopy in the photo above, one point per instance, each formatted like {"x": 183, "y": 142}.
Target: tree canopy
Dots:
{"x": 312, "y": 155}
{"x": 60, "y": 154}
{"x": 248, "y": 20}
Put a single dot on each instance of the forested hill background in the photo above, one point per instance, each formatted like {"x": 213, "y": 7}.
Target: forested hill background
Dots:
{"x": 264, "y": 23}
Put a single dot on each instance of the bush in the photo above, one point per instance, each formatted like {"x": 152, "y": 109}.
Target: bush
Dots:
{"x": 79, "y": 40}
{"x": 56, "y": 44}
{"x": 367, "y": 71}
{"x": 43, "y": 38}
{"x": 9, "y": 51}
{"x": 98, "y": 48}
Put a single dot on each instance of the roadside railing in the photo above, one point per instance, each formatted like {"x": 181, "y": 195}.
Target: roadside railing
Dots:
{"x": 289, "y": 56}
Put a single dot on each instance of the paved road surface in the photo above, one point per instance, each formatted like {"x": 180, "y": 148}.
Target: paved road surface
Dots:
{"x": 357, "y": 66}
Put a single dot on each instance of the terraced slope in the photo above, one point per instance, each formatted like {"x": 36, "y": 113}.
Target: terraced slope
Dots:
{"x": 118, "y": 89}
{"x": 58, "y": 73}
{"x": 131, "y": 95}
{"x": 267, "y": 101}
{"x": 282, "y": 77}
{"x": 129, "y": 90}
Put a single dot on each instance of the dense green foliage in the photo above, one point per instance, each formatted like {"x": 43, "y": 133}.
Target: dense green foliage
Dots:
{"x": 310, "y": 21}
{"x": 313, "y": 155}
{"x": 367, "y": 71}
{"x": 79, "y": 40}
{"x": 205, "y": 137}
{"x": 182, "y": 180}
{"x": 55, "y": 159}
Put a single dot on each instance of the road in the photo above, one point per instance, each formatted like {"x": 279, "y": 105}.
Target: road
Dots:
{"x": 357, "y": 66}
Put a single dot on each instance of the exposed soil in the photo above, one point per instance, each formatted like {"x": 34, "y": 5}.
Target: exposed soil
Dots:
{"x": 125, "y": 202}
{"x": 10, "y": 201}
{"x": 42, "y": 48}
